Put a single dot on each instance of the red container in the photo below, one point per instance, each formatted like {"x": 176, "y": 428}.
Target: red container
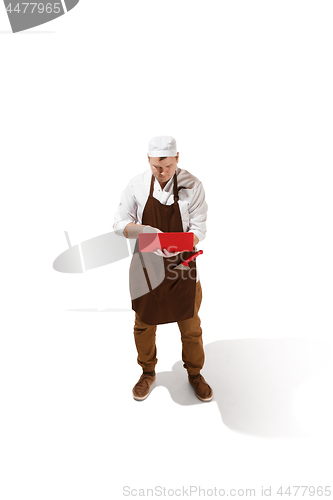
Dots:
{"x": 173, "y": 242}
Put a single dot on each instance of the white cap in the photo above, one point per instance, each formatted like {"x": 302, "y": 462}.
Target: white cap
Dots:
{"x": 162, "y": 145}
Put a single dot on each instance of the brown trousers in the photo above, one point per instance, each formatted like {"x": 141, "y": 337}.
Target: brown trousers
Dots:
{"x": 191, "y": 336}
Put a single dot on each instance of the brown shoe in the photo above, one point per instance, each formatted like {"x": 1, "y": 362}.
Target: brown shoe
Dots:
{"x": 142, "y": 387}
{"x": 202, "y": 390}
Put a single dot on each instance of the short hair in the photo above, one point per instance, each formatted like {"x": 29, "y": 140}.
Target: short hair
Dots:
{"x": 163, "y": 157}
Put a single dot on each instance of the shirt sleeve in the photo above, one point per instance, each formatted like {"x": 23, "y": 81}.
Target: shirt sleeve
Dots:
{"x": 198, "y": 213}
{"x": 127, "y": 210}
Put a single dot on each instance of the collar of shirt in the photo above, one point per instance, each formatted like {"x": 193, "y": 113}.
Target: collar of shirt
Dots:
{"x": 169, "y": 184}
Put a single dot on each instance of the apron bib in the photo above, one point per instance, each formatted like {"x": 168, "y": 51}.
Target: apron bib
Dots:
{"x": 173, "y": 299}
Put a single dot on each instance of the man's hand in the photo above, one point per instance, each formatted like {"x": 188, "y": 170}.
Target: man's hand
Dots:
{"x": 195, "y": 240}
{"x": 150, "y": 229}
{"x": 133, "y": 230}
{"x": 164, "y": 253}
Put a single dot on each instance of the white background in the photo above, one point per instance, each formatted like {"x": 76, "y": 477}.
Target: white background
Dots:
{"x": 245, "y": 87}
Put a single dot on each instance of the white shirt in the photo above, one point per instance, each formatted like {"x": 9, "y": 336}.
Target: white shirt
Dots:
{"x": 192, "y": 204}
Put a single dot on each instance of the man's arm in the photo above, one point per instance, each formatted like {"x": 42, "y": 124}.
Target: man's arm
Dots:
{"x": 198, "y": 215}
{"x": 126, "y": 213}
{"x": 133, "y": 230}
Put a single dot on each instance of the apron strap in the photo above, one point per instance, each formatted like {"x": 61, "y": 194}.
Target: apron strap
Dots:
{"x": 175, "y": 188}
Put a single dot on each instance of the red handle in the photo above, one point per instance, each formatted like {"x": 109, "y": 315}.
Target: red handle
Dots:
{"x": 194, "y": 256}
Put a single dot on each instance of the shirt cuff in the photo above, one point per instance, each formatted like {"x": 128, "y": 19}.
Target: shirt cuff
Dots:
{"x": 119, "y": 227}
{"x": 201, "y": 236}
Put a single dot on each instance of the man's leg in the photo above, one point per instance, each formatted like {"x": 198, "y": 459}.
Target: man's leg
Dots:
{"x": 193, "y": 353}
{"x": 191, "y": 336}
{"x": 145, "y": 336}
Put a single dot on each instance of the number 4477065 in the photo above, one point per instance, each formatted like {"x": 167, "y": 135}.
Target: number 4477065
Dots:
{"x": 31, "y": 7}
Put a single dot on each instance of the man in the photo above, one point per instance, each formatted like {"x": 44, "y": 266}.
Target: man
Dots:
{"x": 165, "y": 198}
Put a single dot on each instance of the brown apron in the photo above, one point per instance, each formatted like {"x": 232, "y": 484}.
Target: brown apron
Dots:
{"x": 173, "y": 299}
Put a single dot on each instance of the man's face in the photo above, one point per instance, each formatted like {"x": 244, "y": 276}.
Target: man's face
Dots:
{"x": 164, "y": 169}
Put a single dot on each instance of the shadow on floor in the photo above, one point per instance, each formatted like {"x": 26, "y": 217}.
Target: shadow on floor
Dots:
{"x": 254, "y": 382}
